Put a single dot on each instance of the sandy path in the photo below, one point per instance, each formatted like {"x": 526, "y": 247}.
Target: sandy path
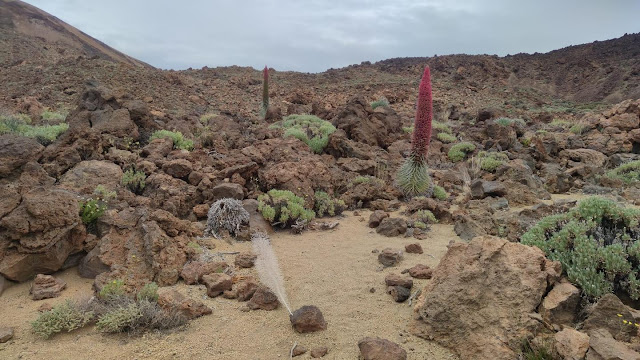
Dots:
{"x": 333, "y": 270}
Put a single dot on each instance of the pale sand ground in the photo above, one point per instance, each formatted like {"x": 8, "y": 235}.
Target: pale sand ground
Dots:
{"x": 333, "y": 270}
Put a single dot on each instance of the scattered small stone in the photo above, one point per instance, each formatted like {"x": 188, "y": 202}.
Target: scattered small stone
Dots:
{"x": 361, "y": 219}
{"x": 230, "y": 294}
{"x": 414, "y": 248}
{"x": 245, "y": 260}
{"x": 397, "y": 280}
{"x": 399, "y": 293}
{"x": 391, "y": 227}
{"x": 46, "y": 287}
{"x": 45, "y": 307}
{"x": 308, "y": 319}
{"x": 246, "y": 288}
{"x": 380, "y": 349}
{"x": 193, "y": 271}
{"x": 264, "y": 299}
{"x": 356, "y": 213}
{"x": 298, "y": 350}
{"x": 421, "y": 271}
{"x": 3, "y": 284}
{"x": 372, "y": 290}
{"x": 376, "y": 217}
{"x": 217, "y": 283}
{"x": 389, "y": 257}
{"x": 319, "y": 352}
{"x": 172, "y": 299}
{"x": 6, "y": 334}
{"x": 375, "y": 251}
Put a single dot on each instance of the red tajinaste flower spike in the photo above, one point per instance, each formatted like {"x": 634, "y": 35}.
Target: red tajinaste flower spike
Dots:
{"x": 424, "y": 116}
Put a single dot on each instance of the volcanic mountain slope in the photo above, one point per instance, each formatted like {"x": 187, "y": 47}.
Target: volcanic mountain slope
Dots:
{"x": 44, "y": 58}
{"x": 27, "y": 32}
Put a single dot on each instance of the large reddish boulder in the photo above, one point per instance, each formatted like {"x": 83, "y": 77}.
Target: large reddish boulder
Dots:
{"x": 40, "y": 233}
{"x": 481, "y": 295}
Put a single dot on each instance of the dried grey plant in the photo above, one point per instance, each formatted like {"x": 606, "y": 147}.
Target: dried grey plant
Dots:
{"x": 226, "y": 214}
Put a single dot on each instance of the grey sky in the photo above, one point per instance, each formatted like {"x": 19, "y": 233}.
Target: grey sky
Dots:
{"x": 314, "y": 35}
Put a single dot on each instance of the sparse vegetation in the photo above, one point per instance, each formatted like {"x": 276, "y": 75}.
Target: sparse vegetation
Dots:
{"x": 179, "y": 141}
{"x": 226, "y": 214}
{"x": 628, "y": 173}
{"x": 508, "y": 121}
{"x": 204, "y": 119}
{"x": 284, "y": 208}
{"x": 442, "y": 127}
{"x": 91, "y": 210}
{"x": 112, "y": 289}
{"x": 490, "y": 161}
{"x": 560, "y": 123}
{"x": 67, "y": 316}
{"x": 19, "y": 125}
{"x": 579, "y": 129}
{"x": 149, "y": 292}
{"x": 407, "y": 129}
{"x": 324, "y": 204}
{"x": 380, "y": 102}
{"x": 540, "y": 352}
{"x": 53, "y": 116}
{"x": 309, "y": 129}
{"x": 134, "y": 180}
{"x": 458, "y": 151}
{"x": 439, "y": 193}
{"x": 598, "y": 244}
{"x": 366, "y": 179}
{"x": 446, "y": 138}
{"x": 425, "y": 216}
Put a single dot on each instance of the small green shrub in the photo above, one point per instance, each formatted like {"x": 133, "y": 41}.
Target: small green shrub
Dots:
{"x": 91, "y": 210}
{"x": 366, "y": 179}
{"x": 525, "y": 141}
{"x": 179, "y": 142}
{"x": 446, "y": 138}
{"x": 542, "y": 352}
{"x": 53, "y": 116}
{"x": 283, "y": 207}
{"x": 407, "y": 129}
{"x": 134, "y": 180}
{"x": 309, "y": 129}
{"x": 460, "y": 150}
{"x": 67, "y": 316}
{"x": 425, "y": 216}
{"x": 490, "y": 161}
{"x": 508, "y": 121}
{"x": 119, "y": 319}
{"x": 149, "y": 292}
{"x": 439, "y": 193}
{"x": 598, "y": 244}
{"x": 579, "y": 129}
{"x": 420, "y": 225}
{"x": 628, "y": 173}
{"x": 560, "y": 123}
{"x": 380, "y": 102}
{"x": 204, "y": 119}
{"x": 19, "y": 125}
{"x": 112, "y": 289}
{"x": 324, "y": 204}
{"x": 441, "y": 127}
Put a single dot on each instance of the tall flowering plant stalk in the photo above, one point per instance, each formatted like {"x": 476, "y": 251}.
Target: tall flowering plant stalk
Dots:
{"x": 265, "y": 91}
{"x": 413, "y": 177}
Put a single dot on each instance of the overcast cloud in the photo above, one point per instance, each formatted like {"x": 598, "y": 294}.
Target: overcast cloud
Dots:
{"x": 314, "y": 35}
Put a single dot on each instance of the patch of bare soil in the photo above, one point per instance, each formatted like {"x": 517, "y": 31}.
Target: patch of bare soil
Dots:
{"x": 333, "y": 270}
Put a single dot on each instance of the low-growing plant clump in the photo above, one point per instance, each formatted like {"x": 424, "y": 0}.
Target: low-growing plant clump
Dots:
{"x": 282, "y": 207}
{"x": 134, "y": 180}
{"x": 325, "y": 204}
{"x": 179, "y": 141}
{"x": 425, "y": 216}
{"x": 490, "y": 161}
{"x": 628, "y": 173}
{"x": 53, "y": 116}
{"x": 92, "y": 208}
{"x": 598, "y": 244}
{"x": 509, "y": 121}
{"x": 20, "y": 125}
{"x": 380, "y": 102}
{"x": 446, "y": 138}
{"x": 439, "y": 193}
{"x": 113, "y": 311}
{"x": 67, "y": 316}
{"x": 309, "y": 129}
{"x": 458, "y": 151}
{"x": 226, "y": 214}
